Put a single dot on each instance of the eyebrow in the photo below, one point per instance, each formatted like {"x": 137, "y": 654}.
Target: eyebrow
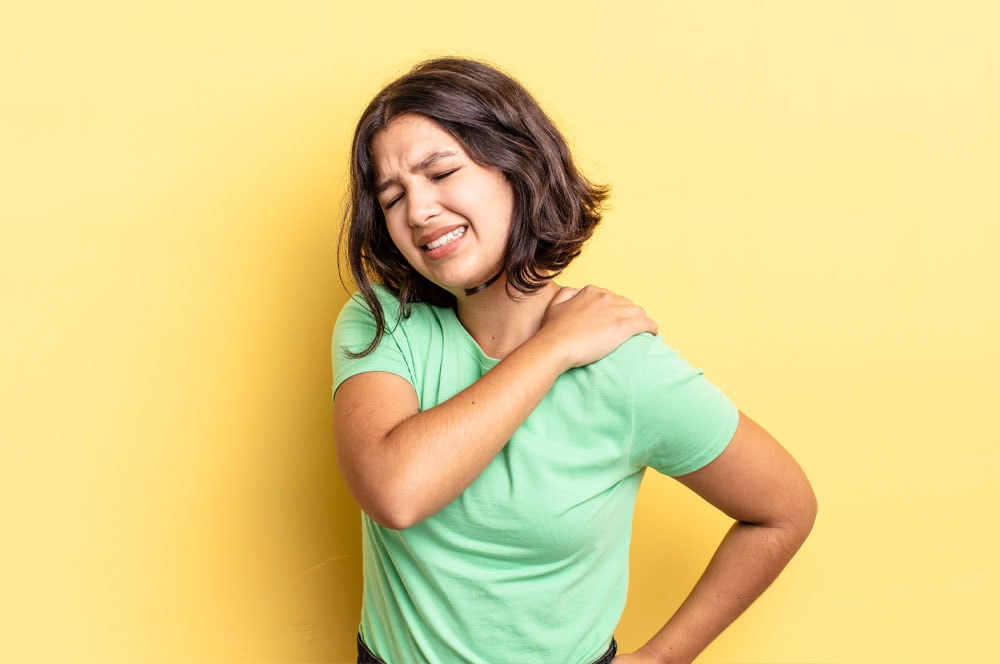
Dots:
{"x": 423, "y": 163}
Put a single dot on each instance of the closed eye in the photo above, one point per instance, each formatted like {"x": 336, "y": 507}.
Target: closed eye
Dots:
{"x": 441, "y": 176}
{"x": 434, "y": 178}
{"x": 392, "y": 202}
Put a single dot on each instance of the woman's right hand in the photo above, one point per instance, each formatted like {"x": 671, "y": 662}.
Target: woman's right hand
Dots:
{"x": 586, "y": 324}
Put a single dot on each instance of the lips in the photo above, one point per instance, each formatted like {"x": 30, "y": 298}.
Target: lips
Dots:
{"x": 445, "y": 239}
{"x": 441, "y": 236}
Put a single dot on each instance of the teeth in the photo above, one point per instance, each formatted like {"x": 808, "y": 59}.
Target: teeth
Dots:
{"x": 445, "y": 239}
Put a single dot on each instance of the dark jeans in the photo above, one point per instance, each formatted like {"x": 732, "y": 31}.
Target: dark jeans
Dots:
{"x": 366, "y": 656}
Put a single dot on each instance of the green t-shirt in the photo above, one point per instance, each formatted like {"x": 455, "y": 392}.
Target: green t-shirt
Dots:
{"x": 530, "y": 563}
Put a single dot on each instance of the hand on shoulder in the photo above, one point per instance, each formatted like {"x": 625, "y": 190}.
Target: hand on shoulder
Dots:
{"x": 586, "y": 324}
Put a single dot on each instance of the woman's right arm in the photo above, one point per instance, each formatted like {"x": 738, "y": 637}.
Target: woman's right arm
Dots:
{"x": 402, "y": 464}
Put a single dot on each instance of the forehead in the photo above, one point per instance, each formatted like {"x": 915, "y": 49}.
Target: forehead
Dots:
{"x": 407, "y": 140}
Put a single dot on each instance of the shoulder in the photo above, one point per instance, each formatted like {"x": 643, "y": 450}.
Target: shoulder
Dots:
{"x": 680, "y": 420}
{"x": 356, "y": 329}
{"x": 645, "y": 363}
{"x": 356, "y": 322}
{"x": 357, "y": 309}
{"x": 640, "y": 354}
{"x": 619, "y": 374}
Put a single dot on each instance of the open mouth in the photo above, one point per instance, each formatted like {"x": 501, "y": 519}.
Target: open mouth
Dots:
{"x": 447, "y": 238}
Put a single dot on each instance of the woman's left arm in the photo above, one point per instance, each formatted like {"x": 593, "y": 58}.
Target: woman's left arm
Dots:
{"x": 758, "y": 483}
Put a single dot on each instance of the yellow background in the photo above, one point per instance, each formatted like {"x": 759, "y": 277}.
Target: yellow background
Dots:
{"x": 804, "y": 198}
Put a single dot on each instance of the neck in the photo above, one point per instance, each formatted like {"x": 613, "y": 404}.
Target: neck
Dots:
{"x": 499, "y": 323}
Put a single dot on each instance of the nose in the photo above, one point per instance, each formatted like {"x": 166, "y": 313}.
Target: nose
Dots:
{"x": 422, "y": 205}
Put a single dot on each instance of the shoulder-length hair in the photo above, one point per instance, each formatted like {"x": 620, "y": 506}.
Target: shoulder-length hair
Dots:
{"x": 499, "y": 125}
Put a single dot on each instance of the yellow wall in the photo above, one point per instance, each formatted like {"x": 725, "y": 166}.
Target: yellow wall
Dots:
{"x": 805, "y": 199}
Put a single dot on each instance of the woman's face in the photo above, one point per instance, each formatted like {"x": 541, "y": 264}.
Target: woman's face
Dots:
{"x": 449, "y": 216}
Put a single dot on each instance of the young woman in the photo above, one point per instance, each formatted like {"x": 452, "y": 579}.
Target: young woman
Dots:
{"x": 494, "y": 426}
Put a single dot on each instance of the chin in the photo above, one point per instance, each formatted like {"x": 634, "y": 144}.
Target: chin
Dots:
{"x": 459, "y": 285}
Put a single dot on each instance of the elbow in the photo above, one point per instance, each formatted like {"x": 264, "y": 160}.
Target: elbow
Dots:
{"x": 809, "y": 519}
{"x": 390, "y": 499}
{"x": 393, "y": 519}
{"x": 800, "y": 516}
{"x": 808, "y": 507}
{"x": 395, "y": 511}
{"x": 790, "y": 521}
{"x": 811, "y": 511}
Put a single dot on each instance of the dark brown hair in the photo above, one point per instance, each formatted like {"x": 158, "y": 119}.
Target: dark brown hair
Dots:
{"x": 499, "y": 125}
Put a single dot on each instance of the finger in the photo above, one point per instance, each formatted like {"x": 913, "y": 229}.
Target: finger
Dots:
{"x": 643, "y": 322}
{"x": 647, "y": 323}
{"x": 563, "y": 295}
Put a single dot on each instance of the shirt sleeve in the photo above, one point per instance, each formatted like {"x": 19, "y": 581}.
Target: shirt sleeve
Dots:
{"x": 354, "y": 331}
{"x": 680, "y": 420}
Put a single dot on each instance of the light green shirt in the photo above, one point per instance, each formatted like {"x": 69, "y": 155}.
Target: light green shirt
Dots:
{"x": 530, "y": 563}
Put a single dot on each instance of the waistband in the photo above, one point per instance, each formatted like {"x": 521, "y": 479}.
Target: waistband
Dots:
{"x": 366, "y": 656}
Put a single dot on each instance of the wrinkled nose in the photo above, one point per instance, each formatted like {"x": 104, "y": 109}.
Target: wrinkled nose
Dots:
{"x": 423, "y": 206}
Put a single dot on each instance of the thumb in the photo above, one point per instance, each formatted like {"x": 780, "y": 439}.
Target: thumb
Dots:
{"x": 563, "y": 295}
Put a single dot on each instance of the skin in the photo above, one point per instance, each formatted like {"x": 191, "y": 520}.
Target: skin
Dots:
{"x": 427, "y": 185}
{"x": 757, "y": 483}
{"x": 403, "y": 464}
